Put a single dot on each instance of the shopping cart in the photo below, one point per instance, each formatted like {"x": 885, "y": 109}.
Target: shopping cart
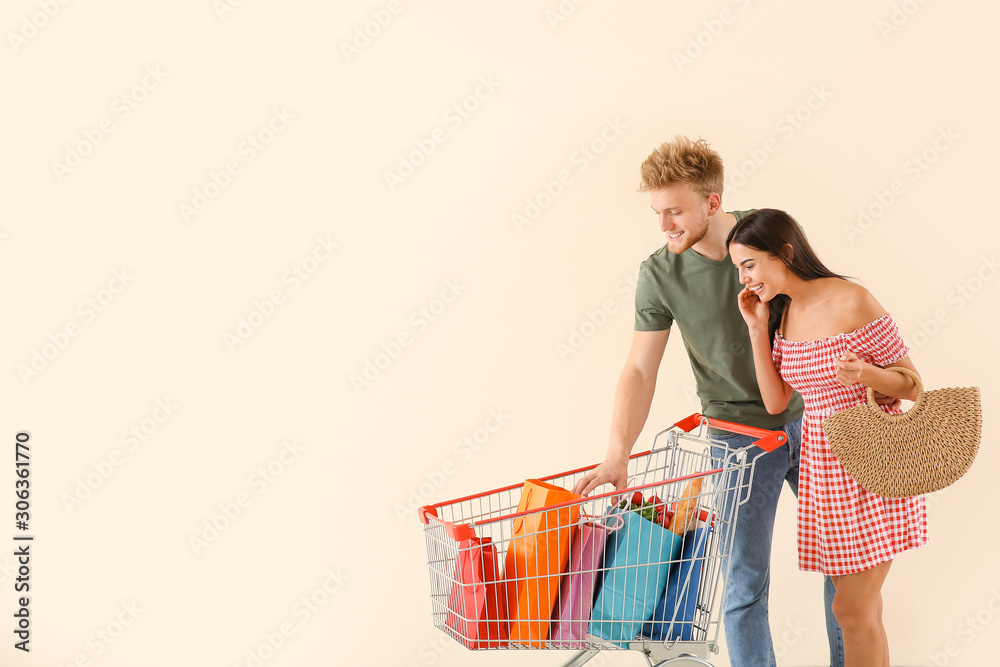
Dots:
{"x": 639, "y": 569}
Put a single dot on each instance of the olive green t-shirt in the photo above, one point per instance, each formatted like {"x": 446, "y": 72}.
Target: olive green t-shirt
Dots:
{"x": 700, "y": 294}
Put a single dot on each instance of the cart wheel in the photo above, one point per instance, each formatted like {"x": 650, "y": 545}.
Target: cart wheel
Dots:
{"x": 581, "y": 658}
{"x": 684, "y": 661}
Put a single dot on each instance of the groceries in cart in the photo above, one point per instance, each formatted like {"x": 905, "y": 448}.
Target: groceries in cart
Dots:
{"x": 535, "y": 566}
{"x": 638, "y": 562}
{"x": 565, "y": 578}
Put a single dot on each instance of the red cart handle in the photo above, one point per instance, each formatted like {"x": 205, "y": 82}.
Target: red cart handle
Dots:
{"x": 766, "y": 440}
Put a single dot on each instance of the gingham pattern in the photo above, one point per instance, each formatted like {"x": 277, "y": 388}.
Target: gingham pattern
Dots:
{"x": 842, "y": 528}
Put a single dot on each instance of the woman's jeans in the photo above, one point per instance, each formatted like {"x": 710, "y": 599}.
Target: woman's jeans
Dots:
{"x": 748, "y": 633}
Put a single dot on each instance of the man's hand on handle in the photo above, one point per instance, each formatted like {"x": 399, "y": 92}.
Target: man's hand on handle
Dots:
{"x": 609, "y": 472}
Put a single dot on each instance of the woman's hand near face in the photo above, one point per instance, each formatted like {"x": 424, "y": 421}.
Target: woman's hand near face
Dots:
{"x": 754, "y": 311}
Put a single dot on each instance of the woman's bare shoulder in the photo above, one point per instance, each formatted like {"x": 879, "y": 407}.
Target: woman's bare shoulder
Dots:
{"x": 857, "y": 305}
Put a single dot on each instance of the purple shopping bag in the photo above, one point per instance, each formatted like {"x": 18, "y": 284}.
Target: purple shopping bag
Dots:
{"x": 571, "y": 615}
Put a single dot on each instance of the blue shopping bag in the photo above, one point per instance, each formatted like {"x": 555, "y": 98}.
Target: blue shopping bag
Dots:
{"x": 637, "y": 565}
{"x": 673, "y": 617}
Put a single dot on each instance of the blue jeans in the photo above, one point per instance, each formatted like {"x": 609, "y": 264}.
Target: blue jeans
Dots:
{"x": 748, "y": 633}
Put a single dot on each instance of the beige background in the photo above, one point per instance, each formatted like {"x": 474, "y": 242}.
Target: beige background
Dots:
{"x": 833, "y": 99}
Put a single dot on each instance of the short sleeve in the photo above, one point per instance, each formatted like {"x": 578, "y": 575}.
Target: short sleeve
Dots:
{"x": 776, "y": 353}
{"x": 651, "y": 313}
{"x": 881, "y": 341}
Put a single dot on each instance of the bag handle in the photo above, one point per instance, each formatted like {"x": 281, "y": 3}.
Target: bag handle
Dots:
{"x": 519, "y": 520}
{"x": 586, "y": 518}
{"x": 916, "y": 405}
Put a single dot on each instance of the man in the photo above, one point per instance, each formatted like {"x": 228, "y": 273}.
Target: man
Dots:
{"x": 692, "y": 281}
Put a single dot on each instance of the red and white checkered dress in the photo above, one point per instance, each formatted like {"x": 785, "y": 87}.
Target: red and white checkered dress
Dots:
{"x": 842, "y": 528}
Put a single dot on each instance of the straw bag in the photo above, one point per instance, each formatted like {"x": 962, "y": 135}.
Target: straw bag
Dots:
{"x": 920, "y": 451}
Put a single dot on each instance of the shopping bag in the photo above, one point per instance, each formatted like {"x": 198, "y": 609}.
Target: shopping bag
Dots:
{"x": 637, "y": 561}
{"x": 576, "y": 591}
{"x": 536, "y": 558}
{"x": 477, "y": 603}
{"x": 674, "y": 614}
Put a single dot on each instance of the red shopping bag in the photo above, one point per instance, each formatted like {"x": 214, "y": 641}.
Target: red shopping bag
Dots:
{"x": 477, "y": 603}
{"x": 536, "y": 558}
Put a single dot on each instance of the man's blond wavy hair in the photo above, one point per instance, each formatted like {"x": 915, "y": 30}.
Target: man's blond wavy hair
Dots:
{"x": 683, "y": 161}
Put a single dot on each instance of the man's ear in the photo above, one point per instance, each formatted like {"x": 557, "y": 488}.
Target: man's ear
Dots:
{"x": 714, "y": 203}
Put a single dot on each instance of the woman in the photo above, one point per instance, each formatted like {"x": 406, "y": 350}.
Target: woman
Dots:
{"x": 834, "y": 341}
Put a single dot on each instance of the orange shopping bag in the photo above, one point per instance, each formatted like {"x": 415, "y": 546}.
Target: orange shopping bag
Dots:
{"x": 536, "y": 558}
